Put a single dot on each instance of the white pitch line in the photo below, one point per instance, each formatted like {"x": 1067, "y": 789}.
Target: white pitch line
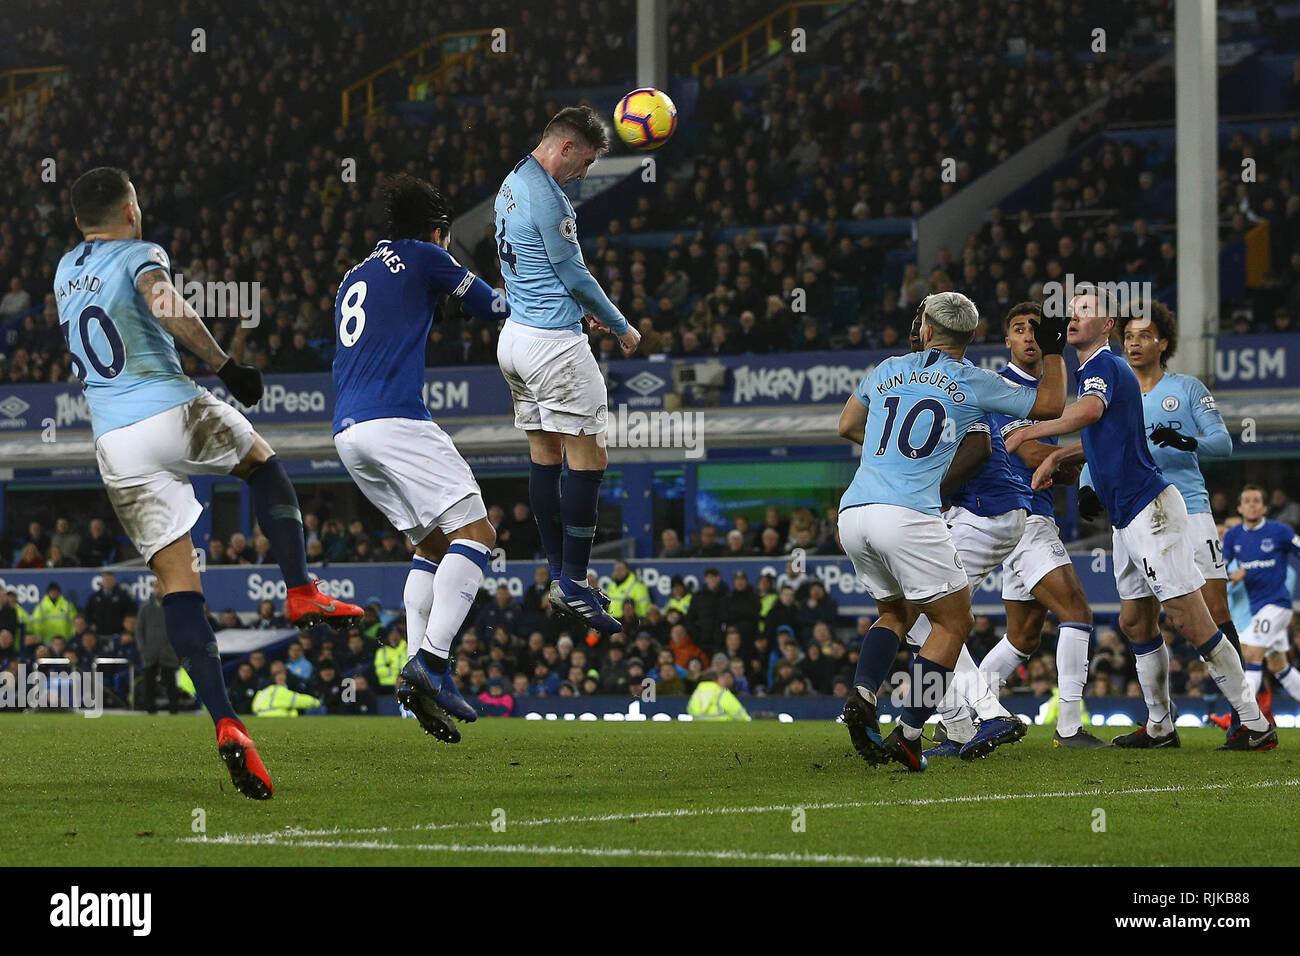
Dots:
{"x": 247, "y": 839}
{"x": 626, "y": 852}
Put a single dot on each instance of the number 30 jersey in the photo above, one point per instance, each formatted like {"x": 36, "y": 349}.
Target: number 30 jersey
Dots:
{"x": 919, "y": 407}
{"x": 382, "y": 317}
{"x": 125, "y": 360}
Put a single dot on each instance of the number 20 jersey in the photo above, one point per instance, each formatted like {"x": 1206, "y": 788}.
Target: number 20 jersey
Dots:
{"x": 919, "y": 408}
{"x": 126, "y": 361}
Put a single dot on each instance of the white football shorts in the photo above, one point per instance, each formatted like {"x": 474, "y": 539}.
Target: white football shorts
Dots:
{"x": 984, "y": 543}
{"x": 1036, "y": 555}
{"x": 898, "y": 552}
{"x": 1207, "y": 546}
{"x": 145, "y": 466}
{"x": 410, "y": 470}
{"x": 1154, "y": 554}
{"x": 554, "y": 380}
{"x": 1268, "y": 629}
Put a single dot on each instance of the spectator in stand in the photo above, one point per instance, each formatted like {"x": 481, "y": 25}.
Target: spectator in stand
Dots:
{"x": 298, "y": 665}
{"x": 518, "y": 534}
{"x": 217, "y": 555}
{"x": 261, "y": 668}
{"x": 817, "y": 607}
{"x": 503, "y": 611}
{"x": 684, "y": 650}
{"x": 495, "y": 700}
{"x": 1283, "y": 509}
{"x": 706, "y": 614}
{"x": 31, "y": 559}
{"x": 670, "y": 545}
{"x": 54, "y": 616}
{"x": 239, "y": 551}
{"x": 13, "y": 618}
{"x": 98, "y": 547}
{"x": 64, "y": 538}
{"x": 326, "y": 686}
{"x": 710, "y": 546}
{"x": 741, "y": 607}
{"x": 109, "y": 605}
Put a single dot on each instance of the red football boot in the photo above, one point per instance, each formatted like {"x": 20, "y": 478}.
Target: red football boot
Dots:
{"x": 1265, "y": 701}
{"x": 1221, "y": 720}
{"x": 306, "y": 605}
{"x": 247, "y": 772}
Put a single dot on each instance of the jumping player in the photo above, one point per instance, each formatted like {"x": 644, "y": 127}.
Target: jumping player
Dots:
{"x": 909, "y": 414}
{"x": 1038, "y": 576}
{"x": 1261, "y": 549}
{"x": 559, "y": 394}
{"x": 121, "y": 316}
{"x": 1154, "y": 565}
{"x": 400, "y": 459}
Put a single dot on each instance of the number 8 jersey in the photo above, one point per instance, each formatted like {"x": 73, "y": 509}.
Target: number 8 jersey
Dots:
{"x": 126, "y": 361}
{"x": 919, "y": 407}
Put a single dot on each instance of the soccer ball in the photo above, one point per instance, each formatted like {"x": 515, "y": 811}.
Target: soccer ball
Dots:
{"x": 645, "y": 118}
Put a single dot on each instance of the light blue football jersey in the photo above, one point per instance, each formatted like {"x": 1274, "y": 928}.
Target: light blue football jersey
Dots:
{"x": 536, "y": 229}
{"x": 919, "y": 408}
{"x": 125, "y": 360}
{"x": 1184, "y": 404}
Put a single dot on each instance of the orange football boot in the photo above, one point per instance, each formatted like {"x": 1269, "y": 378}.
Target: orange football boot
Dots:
{"x": 247, "y": 772}
{"x": 305, "y": 606}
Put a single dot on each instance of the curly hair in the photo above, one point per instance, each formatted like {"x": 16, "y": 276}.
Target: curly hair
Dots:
{"x": 1165, "y": 323}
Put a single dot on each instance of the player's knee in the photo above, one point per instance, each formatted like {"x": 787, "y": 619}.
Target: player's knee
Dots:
{"x": 1026, "y": 643}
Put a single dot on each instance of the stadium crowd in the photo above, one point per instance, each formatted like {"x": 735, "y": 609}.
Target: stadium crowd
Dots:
{"x": 267, "y": 203}
{"x": 780, "y": 635}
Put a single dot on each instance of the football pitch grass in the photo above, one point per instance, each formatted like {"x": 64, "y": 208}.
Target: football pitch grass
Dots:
{"x": 376, "y": 792}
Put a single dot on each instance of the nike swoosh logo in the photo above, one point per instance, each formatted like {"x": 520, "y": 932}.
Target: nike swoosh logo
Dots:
{"x": 327, "y": 608}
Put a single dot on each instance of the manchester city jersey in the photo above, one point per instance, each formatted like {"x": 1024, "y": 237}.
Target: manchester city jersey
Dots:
{"x": 1123, "y": 472}
{"x": 1263, "y": 551}
{"x": 125, "y": 360}
{"x": 382, "y": 316}
{"x": 1040, "y": 502}
{"x": 1184, "y": 404}
{"x": 536, "y": 228}
{"x": 919, "y": 407}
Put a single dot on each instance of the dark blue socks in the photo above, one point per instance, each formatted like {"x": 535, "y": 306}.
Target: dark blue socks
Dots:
{"x": 579, "y": 500}
{"x": 278, "y": 516}
{"x": 875, "y": 658}
{"x": 191, "y": 635}
{"x": 544, "y": 497}
{"x": 929, "y": 684}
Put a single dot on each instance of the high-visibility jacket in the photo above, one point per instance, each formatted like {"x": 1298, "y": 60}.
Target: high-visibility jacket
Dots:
{"x": 389, "y": 662}
{"x": 1052, "y": 709}
{"x": 277, "y": 701}
{"x": 764, "y": 605}
{"x": 632, "y": 589}
{"x": 682, "y": 603}
{"x": 53, "y": 619}
{"x": 184, "y": 683}
{"x": 712, "y": 701}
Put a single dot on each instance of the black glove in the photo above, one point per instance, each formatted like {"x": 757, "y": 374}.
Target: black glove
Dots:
{"x": 1049, "y": 333}
{"x": 242, "y": 381}
{"x": 1167, "y": 437}
{"x": 1090, "y": 508}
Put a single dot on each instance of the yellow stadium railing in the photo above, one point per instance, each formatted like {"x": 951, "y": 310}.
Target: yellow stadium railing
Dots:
{"x": 432, "y": 61}
{"x": 27, "y": 91}
{"x": 758, "y": 40}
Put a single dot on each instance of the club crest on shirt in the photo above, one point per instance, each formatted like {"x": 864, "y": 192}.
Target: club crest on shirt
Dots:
{"x": 1266, "y": 545}
{"x": 568, "y": 228}
{"x": 1170, "y": 404}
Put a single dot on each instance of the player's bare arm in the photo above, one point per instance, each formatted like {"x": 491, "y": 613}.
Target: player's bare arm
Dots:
{"x": 1086, "y": 411}
{"x": 1070, "y": 457}
{"x": 1050, "y": 400}
{"x": 175, "y": 315}
{"x": 970, "y": 456}
{"x": 180, "y": 320}
{"x": 853, "y": 421}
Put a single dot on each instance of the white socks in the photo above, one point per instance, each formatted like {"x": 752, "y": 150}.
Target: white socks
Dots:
{"x": 454, "y": 587}
{"x": 1290, "y": 679}
{"x": 417, "y": 596}
{"x": 968, "y": 691}
{"x": 1225, "y": 668}
{"x": 1153, "y": 675}
{"x": 1001, "y": 662}
{"x": 1071, "y": 675}
{"x": 1255, "y": 678}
